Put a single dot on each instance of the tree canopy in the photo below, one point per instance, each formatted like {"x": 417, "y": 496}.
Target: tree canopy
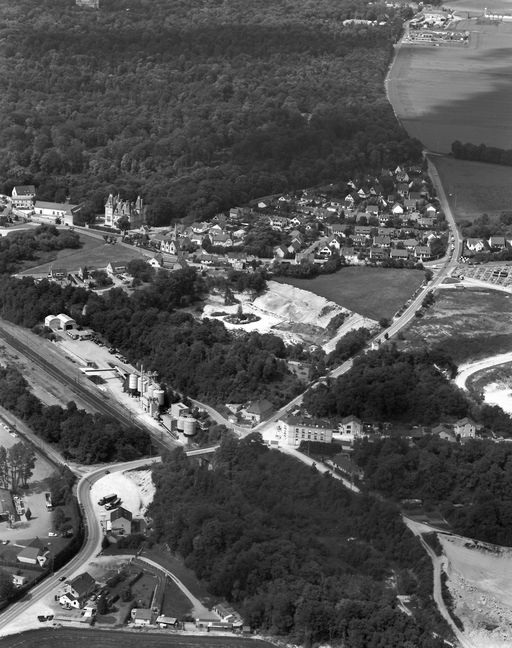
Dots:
{"x": 296, "y": 552}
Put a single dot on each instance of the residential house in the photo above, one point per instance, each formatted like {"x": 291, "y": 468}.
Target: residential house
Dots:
{"x": 121, "y": 521}
{"x": 344, "y": 463}
{"x": 156, "y": 261}
{"x": 351, "y": 425}
{"x": 259, "y": 410}
{"x": 497, "y": 243}
{"x": 221, "y": 240}
{"x": 381, "y": 241}
{"x": 422, "y": 252}
{"x": 430, "y": 211}
{"x": 410, "y": 204}
{"x": 399, "y": 254}
{"x": 465, "y": 428}
{"x": 294, "y": 247}
{"x": 349, "y": 254}
{"x": 23, "y": 196}
{"x": 280, "y": 252}
{"x": 114, "y": 269}
{"x": 397, "y": 209}
{"x": 295, "y": 429}
{"x": 359, "y": 240}
{"x": 18, "y": 580}
{"x": 75, "y": 592}
{"x": 365, "y": 230}
{"x": 475, "y": 244}
{"x": 142, "y": 617}
{"x": 378, "y": 253}
{"x": 57, "y": 273}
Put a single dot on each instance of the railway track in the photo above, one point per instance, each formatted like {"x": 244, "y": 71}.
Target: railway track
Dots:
{"x": 97, "y": 403}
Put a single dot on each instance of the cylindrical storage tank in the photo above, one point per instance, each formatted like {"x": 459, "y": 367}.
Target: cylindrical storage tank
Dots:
{"x": 159, "y": 394}
{"x": 132, "y": 382}
{"x": 181, "y": 423}
{"x": 139, "y": 385}
{"x": 189, "y": 427}
{"x": 149, "y": 391}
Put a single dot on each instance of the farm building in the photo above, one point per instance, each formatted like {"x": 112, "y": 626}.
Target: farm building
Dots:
{"x": 141, "y": 617}
{"x": 63, "y": 211}
{"x": 61, "y": 322}
{"x": 34, "y": 554}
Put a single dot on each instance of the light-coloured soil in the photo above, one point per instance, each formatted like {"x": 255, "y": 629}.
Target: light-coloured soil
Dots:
{"x": 135, "y": 490}
{"x": 480, "y": 581}
{"x": 294, "y": 314}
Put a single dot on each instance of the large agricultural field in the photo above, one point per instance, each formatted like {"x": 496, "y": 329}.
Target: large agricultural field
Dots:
{"x": 441, "y": 94}
{"x": 372, "y": 292}
{"x": 94, "y": 253}
{"x": 469, "y": 324}
{"x": 475, "y": 188}
{"x": 84, "y": 638}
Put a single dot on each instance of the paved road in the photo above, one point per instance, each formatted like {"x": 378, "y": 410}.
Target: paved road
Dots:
{"x": 437, "y": 564}
{"x": 467, "y": 370}
{"x": 90, "y": 548}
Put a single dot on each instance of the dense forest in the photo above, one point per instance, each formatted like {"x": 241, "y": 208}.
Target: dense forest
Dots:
{"x": 470, "y": 483}
{"x": 402, "y": 387}
{"x": 294, "y": 551}
{"x": 195, "y": 105}
{"x": 198, "y": 358}
{"x": 80, "y": 436}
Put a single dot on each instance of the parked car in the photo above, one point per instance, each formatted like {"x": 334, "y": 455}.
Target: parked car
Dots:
{"x": 52, "y": 534}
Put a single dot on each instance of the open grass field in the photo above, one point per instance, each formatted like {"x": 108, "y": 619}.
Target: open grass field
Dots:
{"x": 441, "y": 94}
{"x": 88, "y": 637}
{"x": 175, "y": 603}
{"x": 372, "y": 292}
{"x": 475, "y": 188}
{"x": 94, "y": 253}
{"x": 468, "y": 324}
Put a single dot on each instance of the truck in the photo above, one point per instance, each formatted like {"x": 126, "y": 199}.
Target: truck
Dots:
{"x": 48, "y": 501}
{"x": 107, "y": 498}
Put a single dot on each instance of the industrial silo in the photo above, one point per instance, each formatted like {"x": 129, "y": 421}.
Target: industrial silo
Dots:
{"x": 159, "y": 395}
{"x": 189, "y": 426}
{"x": 132, "y": 382}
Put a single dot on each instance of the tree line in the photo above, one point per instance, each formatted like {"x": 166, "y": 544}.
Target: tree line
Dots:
{"x": 80, "y": 436}
{"x": 294, "y": 551}
{"x": 469, "y": 483}
{"x": 481, "y": 153}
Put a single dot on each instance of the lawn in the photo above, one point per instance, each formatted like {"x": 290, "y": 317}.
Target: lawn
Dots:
{"x": 475, "y": 188}
{"x": 372, "y": 292}
{"x": 176, "y": 566}
{"x": 441, "y": 94}
{"x": 94, "y": 253}
{"x": 468, "y": 324}
{"x": 175, "y": 603}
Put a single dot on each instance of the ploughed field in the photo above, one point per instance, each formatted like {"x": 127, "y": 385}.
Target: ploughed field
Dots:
{"x": 475, "y": 188}
{"x": 442, "y": 94}
{"x": 78, "y": 638}
{"x": 372, "y": 292}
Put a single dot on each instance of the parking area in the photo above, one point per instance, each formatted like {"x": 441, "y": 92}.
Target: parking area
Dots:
{"x": 498, "y": 274}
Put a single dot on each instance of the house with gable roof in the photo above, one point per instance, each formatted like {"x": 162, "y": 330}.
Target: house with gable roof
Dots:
{"x": 23, "y": 196}
{"x": 76, "y": 591}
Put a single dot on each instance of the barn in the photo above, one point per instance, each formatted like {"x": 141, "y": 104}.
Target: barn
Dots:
{"x": 60, "y": 322}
